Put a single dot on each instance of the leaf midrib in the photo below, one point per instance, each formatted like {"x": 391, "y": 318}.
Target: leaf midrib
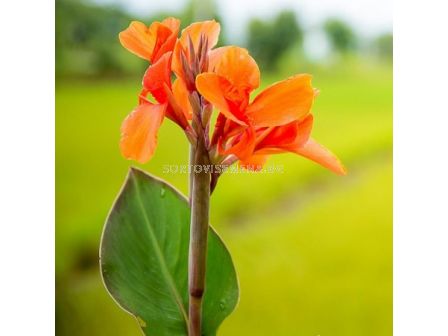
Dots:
{"x": 165, "y": 271}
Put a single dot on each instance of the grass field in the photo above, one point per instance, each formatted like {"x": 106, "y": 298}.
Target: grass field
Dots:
{"x": 313, "y": 250}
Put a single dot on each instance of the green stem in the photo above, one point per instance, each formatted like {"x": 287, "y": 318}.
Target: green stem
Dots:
{"x": 190, "y": 182}
{"x": 200, "y": 207}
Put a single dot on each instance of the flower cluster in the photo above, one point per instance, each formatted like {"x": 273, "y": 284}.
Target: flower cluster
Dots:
{"x": 277, "y": 120}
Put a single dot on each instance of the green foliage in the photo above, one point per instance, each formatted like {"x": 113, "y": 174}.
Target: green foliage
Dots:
{"x": 144, "y": 260}
{"x": 340, "y": 35}
{"x": 384, "y": 45}
{"x": 268, "y": 40}
{"x": 87, "y": 40}
{"x": 87, "y": 37}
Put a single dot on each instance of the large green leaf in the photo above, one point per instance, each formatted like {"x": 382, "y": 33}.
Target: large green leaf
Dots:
{"x": 144, "y": 259}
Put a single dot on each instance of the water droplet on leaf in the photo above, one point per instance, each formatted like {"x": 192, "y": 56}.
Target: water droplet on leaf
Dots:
{"x": 162, "y": 192}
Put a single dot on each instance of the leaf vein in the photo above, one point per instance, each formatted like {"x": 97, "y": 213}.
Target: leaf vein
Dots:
{"x": 177, "y": 298}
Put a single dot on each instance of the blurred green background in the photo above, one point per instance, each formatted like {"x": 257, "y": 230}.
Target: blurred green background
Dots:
{"x": 313, "y": 250}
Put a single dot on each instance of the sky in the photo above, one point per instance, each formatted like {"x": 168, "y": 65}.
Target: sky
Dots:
{"x": 370, "y": 17}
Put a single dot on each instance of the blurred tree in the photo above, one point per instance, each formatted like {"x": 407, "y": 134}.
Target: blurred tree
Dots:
{"x": 86, "y": 39}
{"x": 383, "y": 46}
{"x": 268, "y": 40}
{"x": 87, "y": 36}
{"x": 341, "y": 36}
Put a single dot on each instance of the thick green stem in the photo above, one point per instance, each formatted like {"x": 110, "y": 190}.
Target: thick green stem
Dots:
{"x": 200, "y": 206}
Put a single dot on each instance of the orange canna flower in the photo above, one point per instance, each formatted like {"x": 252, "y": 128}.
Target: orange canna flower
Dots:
{"x": 156, "y": 44}
{"x": 277, "y": 120}
{"x": 236, "y": 75}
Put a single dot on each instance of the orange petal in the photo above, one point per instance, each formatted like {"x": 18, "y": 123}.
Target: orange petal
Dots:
{"x": 139, "y": 39}
{"x": 254, "y": 163}
{"x": 139, "y": 132}
{"x": 156, "y": 76}
{"x": 166, "y": 37}
{"x": 237, "y": 66}
{"x": 304, "y": 130}
{"x": 318, "y": 153}
{"x": 242, "y": 146}
{"x": 150, "y": 42}
{"x": 181, "y": 94}
{"x": 225, "y": 129}
{"x": 285, "y": 138}
{"x": 214, "y": 57}
{"x": 174, "y": 111}
{"x": 277, "y": 137}
{"x": 208, "y": 28}
{"x": 214, "y": 89}
{"x": 172, "y": 23}
{"x": 282, "y": 102}
{"x": 176, "y": 64}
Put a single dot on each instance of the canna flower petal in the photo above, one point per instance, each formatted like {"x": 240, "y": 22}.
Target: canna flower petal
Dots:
{"x": 181, "y": 95}
{"x": 321, "y": 155}
{"x": 215, "y": 89}
{"x": 237, "y": 66}
{"x": 277, "y": 138}
{"x": 172, "y": 23}
{"x": 242, "y": 145}
{"x": 139, "y": 131}
{"x": 209, "y": 28}
{"x": 174, "y": 111}
{"x": 235, "y": 75}
{"x": 151, "y": 42}
{"x": 214, "y": 57}
{"x": 225, "y": 129}
{"x": 286, "y": 138}
{"x": 166, "y": 42}
{"x": 304, "y": 131}
{"x": 282, "y": 102}
{"x": 157, "y": 76}
{"x": 254, "y": 162}
{"x": 138, "y": 39}
{"x": 280, "y": 139}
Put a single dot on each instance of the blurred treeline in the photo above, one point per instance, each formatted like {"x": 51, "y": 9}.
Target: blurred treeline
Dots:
{"x": 87, "y": 38}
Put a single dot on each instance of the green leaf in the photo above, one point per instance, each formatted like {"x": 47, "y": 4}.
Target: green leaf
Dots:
{"x": 144, "y": 259}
